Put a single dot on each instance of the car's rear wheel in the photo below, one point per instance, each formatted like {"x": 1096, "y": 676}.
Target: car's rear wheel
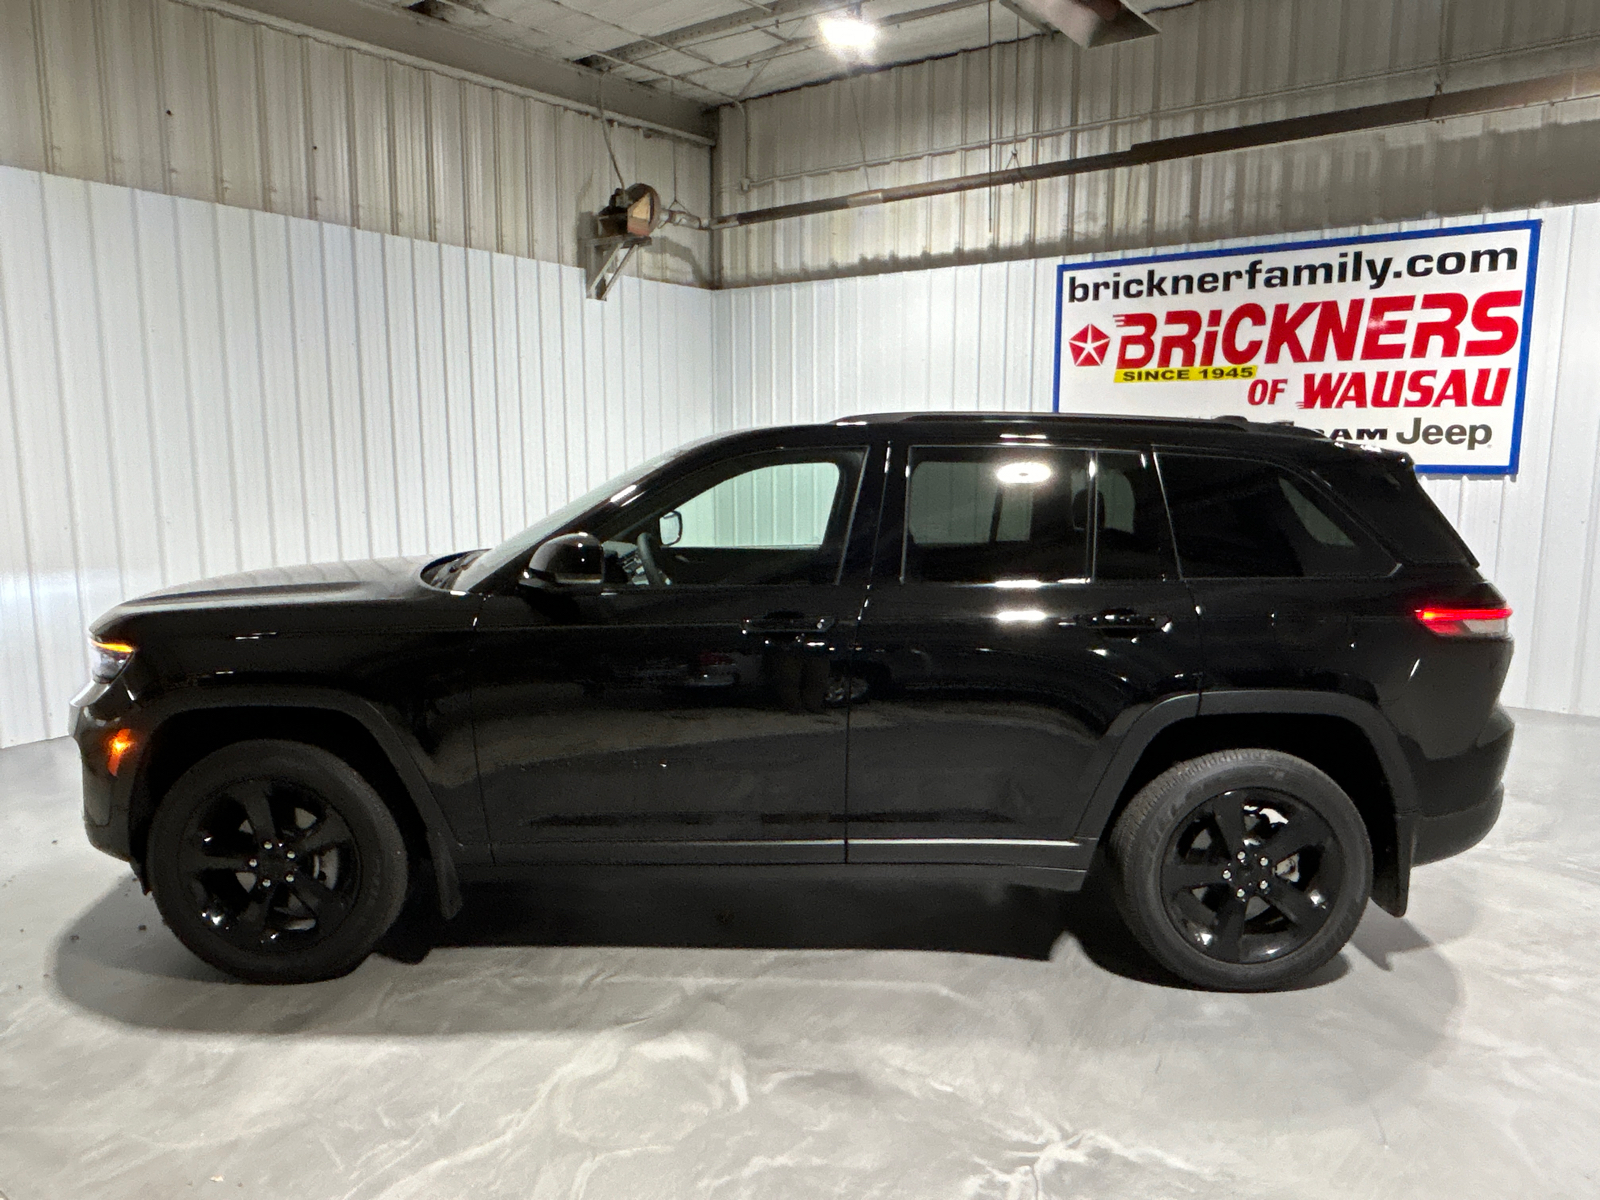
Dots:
{"x": 1243, "y": 870}
{"x": 276, "y": 862}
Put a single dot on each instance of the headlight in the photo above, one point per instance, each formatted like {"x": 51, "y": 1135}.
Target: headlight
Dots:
{"x": 106, "y": 659}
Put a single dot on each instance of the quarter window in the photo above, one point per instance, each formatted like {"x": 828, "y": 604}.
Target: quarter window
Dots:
{"x": 1237, "y": 518}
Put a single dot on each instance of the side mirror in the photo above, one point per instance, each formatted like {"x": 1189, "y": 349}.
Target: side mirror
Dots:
{"x": 671, "y": 525}
{"x": 571, "y": 560}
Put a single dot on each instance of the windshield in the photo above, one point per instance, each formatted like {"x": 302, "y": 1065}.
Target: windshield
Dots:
{"x": 519, "y": 546}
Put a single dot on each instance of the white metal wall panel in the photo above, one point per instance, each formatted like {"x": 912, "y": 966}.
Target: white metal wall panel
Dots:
{"x": 189, "y": 389}
{"x": 1215, "y": 65}
{"x": 185, "y": 98}
{"x": 982, "y": 337}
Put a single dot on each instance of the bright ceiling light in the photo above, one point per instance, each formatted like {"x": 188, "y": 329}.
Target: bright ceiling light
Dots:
{"x": 1023, "y": 472}
{"x": 848, "y": 33}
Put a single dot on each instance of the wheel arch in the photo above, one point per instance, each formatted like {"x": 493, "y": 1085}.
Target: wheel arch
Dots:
{"x": 1344, "y": 737}
{"x": 181, "y": 733}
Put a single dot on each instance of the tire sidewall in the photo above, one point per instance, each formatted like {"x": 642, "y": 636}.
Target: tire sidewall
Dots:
{"x": 1139, "y": 848}
{"x": 379, "y": 846}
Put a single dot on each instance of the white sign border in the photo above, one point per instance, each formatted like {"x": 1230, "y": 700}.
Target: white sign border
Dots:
{"x": 1532, "y": 225}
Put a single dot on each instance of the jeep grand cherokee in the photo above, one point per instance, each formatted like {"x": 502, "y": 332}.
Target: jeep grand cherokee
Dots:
{"x": 1256, "y": 670}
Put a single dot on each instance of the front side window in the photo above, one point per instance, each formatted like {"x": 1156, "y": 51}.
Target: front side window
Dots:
{"x": 783, "y": 506}
{"x": 1238, "y": 518}
{"x": 992, "y": 514}
{"x": 772, "y": 518}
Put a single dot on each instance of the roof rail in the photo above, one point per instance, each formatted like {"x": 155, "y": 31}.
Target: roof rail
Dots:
{"x": 1230, "y": 420}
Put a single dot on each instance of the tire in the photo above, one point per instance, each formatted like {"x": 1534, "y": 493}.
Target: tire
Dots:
{"x": 1242, "y": 870}
{"x": 307, "y": 901}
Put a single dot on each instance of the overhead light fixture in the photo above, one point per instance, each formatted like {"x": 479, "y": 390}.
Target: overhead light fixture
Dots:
{"x": 848, "y": 32}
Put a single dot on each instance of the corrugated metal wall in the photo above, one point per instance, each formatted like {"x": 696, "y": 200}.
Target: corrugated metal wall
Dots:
{"x": 1217, "y": 64}
{"x": 188, "y": 389}
{"x": 982, "y": 337}
{"x": 191, "y": 99}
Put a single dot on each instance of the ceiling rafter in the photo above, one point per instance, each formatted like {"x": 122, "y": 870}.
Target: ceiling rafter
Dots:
{"x": 749, "y": 47}
{"x": 700, "y": 31}
{"x": 599, "y": 59}
{"x": 799, "y": 45}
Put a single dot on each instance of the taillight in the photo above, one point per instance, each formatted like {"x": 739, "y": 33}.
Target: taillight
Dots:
{"x": 1467, "y": 622}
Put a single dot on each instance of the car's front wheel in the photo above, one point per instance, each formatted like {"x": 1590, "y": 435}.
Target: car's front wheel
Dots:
{"x": 276, "y": 862}
{"x": 1242, "y": 870}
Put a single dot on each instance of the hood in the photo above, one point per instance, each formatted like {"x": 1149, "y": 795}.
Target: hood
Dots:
{"x": 317, "y": 583}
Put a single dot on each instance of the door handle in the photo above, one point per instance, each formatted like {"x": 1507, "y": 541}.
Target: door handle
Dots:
{"x": 784, "y": 622}
{"x": 1122, "y": 620}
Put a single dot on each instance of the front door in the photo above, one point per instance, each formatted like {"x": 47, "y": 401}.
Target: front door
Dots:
{"x": 693, "y": 708}
{"x": 1023, "y": 599}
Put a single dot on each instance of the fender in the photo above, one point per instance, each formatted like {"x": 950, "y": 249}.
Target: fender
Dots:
{"x": 1385, "y": 742}
{"x": 1125, "y": 747}
{"x": 1392, "y": 879}
{"x": 443, "y": 846}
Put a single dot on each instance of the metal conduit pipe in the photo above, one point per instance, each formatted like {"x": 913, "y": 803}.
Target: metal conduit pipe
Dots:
{"x": 1546, "y": 89}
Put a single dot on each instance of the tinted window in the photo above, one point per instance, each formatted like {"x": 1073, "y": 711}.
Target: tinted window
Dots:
{"x": 1241, "y": 518}
{"x": 1389, "y": 496}
{"x": 1132, "y": 541}
{"x": 758, "y": 519}
{"x": 781, "y": 506}
{"x": 988, "y": 513}
{"x": 518, "y": 547}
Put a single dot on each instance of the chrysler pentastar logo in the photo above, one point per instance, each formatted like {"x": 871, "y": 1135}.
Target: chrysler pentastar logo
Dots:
{"x": 1088, "y": 347}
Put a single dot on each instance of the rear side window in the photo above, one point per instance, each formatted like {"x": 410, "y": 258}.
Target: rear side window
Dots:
{"x": 1237, "y": 518}
{"x": 1131, "y": 539}
{"x": 1390, "y": 497}
{"x": 982, "y": 514}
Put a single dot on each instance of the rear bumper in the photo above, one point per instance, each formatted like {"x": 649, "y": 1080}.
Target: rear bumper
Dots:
{"x": 1442, "y": 836}
{"x": 1459, "y": 798}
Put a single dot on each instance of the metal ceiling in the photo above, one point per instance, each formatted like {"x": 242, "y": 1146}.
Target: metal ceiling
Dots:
{"x": 722, "y": 51}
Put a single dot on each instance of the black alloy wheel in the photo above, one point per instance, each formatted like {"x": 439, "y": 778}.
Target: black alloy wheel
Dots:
{"x": 276, "y": 862}
{"x": 1242, "y": 870}
{"x": 1252, "y": 875}
{"x": 270, "y": 865}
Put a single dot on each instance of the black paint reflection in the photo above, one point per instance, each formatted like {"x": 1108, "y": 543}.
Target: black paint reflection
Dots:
{"x": 981, "y": 723}
{"x": 652, "y": 715}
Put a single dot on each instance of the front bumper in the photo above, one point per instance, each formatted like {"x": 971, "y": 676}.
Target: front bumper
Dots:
{"x": 105, "y": 796}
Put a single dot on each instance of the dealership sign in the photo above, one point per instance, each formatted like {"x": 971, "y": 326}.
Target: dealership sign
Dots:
{"x": 1409, "y": 341}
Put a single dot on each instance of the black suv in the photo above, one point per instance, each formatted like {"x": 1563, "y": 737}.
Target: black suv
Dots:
{"x": 1256, "y": 669}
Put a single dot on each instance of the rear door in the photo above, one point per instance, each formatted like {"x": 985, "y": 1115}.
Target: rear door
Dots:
{"x": 1024, "y": 601}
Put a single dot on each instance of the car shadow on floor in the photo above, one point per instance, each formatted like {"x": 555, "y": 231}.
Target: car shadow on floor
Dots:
{"x": 514, "y": 955}
{"x": 744, "y": 911}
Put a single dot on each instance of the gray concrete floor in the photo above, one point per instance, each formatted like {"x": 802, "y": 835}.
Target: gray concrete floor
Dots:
{"x": 791, "y": 1039}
